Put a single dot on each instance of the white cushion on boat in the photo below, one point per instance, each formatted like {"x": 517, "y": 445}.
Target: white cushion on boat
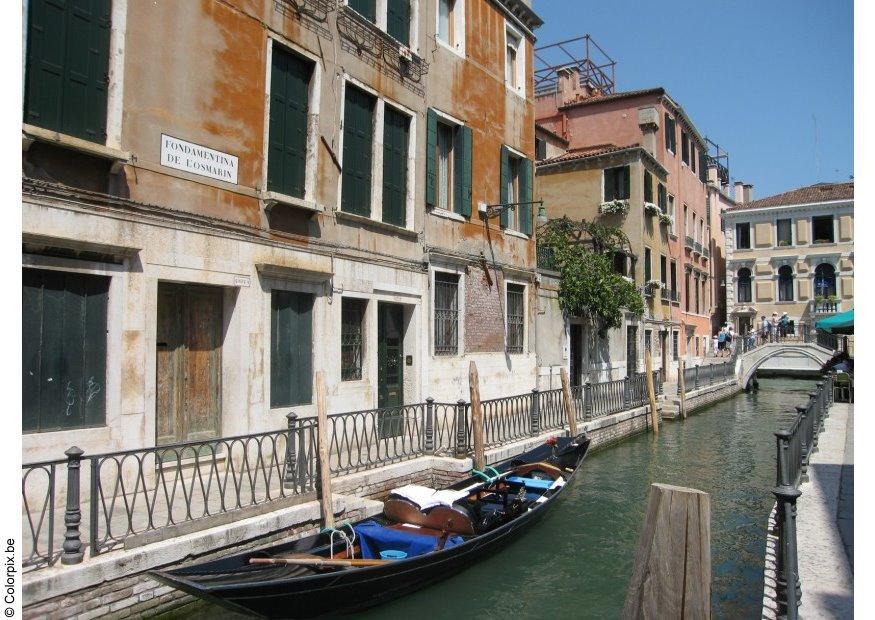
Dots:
{"x": 426, "y": 497}
{"x": 558, "y": 483}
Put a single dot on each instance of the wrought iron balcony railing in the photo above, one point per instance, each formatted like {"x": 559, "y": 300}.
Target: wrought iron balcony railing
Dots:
{"x": 706, "y": 252}
{"x": 688, "y": 242}
{"x": 313, "y": 14}
{"x": 697, "y": 247}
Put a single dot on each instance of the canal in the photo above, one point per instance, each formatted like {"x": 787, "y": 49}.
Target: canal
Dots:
{"x": 578, "y": 560}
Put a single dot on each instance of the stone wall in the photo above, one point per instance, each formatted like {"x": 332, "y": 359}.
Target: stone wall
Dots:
{"x": 697, "y": 399}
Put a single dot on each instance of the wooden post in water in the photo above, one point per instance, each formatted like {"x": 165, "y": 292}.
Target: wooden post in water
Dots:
{"x": 476, "y": 418}
{"x": 672, "y": 573}
{"x": 324, "y": 462}
{"x": 651, "y": 392}
{"x": 569, "y": 404}
{"x": 682, "y": 388}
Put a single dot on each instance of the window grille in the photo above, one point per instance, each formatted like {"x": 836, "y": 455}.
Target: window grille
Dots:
{"x": 446, "y": 314}
{"x": 351, "y": 339}
{"x": 515, "y": 318}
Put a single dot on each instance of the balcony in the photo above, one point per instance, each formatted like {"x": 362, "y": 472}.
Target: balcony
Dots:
{"x": 697, "y": 247}
{"x": 824, "y": 307}
{"x": 665, "y": 293}
{"x": 688, "y": 242}
{"x": 675, "y": 295}
{"x": 706, "y": 252}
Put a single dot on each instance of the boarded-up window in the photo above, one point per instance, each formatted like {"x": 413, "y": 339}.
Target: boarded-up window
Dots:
{"x": 446, "y": 313}
{"x": 358, "y": 137}
{"x": 515, "y": 318}
{"x": 67, "y": 66}
{"x": 289, "y": 86}
{"x": 291, "y": 348}
{"x": 395, "y": 138}
{"x": 351, "y": 338}
{"x": 63, "y": 350}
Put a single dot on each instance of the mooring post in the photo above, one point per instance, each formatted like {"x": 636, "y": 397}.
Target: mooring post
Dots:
{"x": 72, "y": 546}
{"x": 324, "y": 460}
{"x": 461, "y": 429}
{"x": 476, "y": 418}
{"x": 429, "y": 425}
{"x": 627, "y": 394}
{"x": 568, "y": 402}
{"x": 290, "y": 480}
{"x": 788, "y": 586}
{"x": 651, "y": 395}
{"x": 682, "y": 389}
{"x": 587, "y": 400}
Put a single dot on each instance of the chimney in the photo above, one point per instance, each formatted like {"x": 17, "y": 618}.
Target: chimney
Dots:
{"x": 568, "y": 84}
{"x": 739, "y": 192}
{"x": 713, "y": 178}
{"x": 748, "y": 192}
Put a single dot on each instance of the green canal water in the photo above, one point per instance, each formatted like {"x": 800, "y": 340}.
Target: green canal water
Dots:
{"x": 577, "y": 561}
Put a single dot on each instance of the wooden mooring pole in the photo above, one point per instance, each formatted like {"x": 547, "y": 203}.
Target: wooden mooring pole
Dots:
{"x": 569, "y": 404}
{"x": 672, "y": 573}
{"x": 682, "y": 388}
{"x": 476, "y": 418}
{"x": 651, "y": 391}
{"x": 324, "y": 462}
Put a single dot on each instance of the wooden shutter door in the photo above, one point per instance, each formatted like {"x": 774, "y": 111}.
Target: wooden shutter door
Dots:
{"x": 287, "y": 134}
{"x": 462, "y": 172}
{"x": 430, "y": 153}
{"x": 358, "y": 122}
{"x": 504, "y": 180}
{"x": 367, "y": 8}
{"x": 395, "y": 139}
{"x": 291, "y": 366}
{"x": 398, "y": 20}
{"x": 67, "y": 66}
{"x": 526, "y": 196}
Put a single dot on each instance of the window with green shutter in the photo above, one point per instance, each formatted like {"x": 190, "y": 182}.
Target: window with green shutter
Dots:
{"x": 648, "y": 187}
{"x": 462, "y": 173}
{"x": 287, "y": 133}
{"x": 291, "y": 348}
{"x": 64, "y": 322}
{"x": 504, "y": 190}
{"x": 616, "y": 183}
{"x": 448, "y": 162}
{"x": 67, "y": 67}
{"x": 358, "y": 137}
{"x": 398, "y": 20}
{"x": 396, "y": 131}
{"x": 366, "y": 8}
{"x": 525, "y": 184}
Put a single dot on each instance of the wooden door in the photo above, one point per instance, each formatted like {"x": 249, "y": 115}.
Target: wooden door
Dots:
{"x": 576, "y": 337}
{"x": 189, "y": 363}
{"x": 390, "y": 366}
{"x": 663, "y": 344}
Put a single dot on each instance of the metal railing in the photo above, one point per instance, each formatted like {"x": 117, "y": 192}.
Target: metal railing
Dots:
{"x": 699, "y": 376}
{"x": 697, "y": 247}
{"x": 794, "y": 447}
{"x": 688, "y": 242}
{"x": 830, "y": 341}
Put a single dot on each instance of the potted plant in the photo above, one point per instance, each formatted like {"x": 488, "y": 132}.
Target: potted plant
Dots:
{"x": 665, "y": 219}
{"x": 651, "y": 209}
{"x": 783, "y": 243}
{"x": 651, "y": 286}
{"x": 614, "y": 207}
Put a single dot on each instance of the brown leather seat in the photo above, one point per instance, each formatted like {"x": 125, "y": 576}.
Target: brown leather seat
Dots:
{"x": 442, "y": 518}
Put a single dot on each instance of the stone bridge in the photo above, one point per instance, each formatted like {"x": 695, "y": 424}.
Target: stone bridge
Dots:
{"x": 784, "y": 357}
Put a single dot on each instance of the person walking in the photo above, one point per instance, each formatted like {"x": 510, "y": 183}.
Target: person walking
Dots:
{"x": 774, "y": 326}
{"x": 764, "y": 329}
{"x": 721, "y": 341}
{"x": 730, "y": 337}
{"x": 785, "y": 325}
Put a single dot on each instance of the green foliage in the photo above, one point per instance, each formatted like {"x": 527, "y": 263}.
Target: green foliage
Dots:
{"x": 588, "y": 286}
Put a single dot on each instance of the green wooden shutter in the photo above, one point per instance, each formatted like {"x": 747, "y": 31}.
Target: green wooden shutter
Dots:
{"x": 395, "y": 137}
{"x": 287, "y": 132}
{"x": 291, "y": 346}
{"x": 367, "y": 8}
{"x": 68, "y": 66}
{"x": 526, "y": 196}
{"x": 462, "y": 174}
{"x": 504, "y": 180}
{"x": 398, "y": 20}
{"x": 64, "y": 320}
{"x": 648, "y": 187}
{"x": 627, "y": 189}
{"x": 358, "y": 123}
{"x": 609, "y": 184}
{"x": 430, "y": 163}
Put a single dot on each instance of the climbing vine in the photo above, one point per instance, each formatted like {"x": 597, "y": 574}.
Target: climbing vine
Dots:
{"x": 588, "y": 285}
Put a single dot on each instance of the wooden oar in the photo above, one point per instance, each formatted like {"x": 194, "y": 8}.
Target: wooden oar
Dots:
{"x": 317, "y": 562}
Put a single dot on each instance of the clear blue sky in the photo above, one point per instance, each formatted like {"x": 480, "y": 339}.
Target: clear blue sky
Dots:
{"x": 750, "y": 73}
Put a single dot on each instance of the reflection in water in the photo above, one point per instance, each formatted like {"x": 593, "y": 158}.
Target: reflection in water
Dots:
{"x": 577, "y": 561}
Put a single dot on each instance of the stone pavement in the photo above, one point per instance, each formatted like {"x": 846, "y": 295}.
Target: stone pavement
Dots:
{"x": 825, "y": 522}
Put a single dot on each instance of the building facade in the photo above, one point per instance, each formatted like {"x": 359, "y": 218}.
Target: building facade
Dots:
{"x": 792, "y": 252}
{"x": 222, "y": 198}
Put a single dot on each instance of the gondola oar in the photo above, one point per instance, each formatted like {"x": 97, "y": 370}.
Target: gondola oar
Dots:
{"x": 318, "y": 562}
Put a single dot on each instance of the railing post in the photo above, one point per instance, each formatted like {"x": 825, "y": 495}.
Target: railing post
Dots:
{"x": 429, "y": 425}
{"x": 461, "y": 429}
{"x": 290, "y": 481}
{"x": 536, "y": 412}
{"x": 72, "y": 514}
{"x": 587, "y": 401}
{"x": 696, "y": 378}
{"x": 788, "y": 586}
{"x": 627, "y": 394}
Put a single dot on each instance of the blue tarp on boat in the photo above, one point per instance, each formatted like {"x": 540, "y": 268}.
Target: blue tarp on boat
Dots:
{"x": 373, "y": 538}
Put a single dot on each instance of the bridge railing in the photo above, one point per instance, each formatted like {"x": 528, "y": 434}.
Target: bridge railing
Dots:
{"x": 699, "y": 376}
{"x": 794, "y": 446}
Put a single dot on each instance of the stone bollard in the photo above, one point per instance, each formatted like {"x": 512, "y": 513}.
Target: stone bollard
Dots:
{"x": 461, "y": 429}
{"x": 535, "y": 413}
{"x": 696, "y": 378}
{"x": 429, "y": 425}
{"x": 72, "y": 546}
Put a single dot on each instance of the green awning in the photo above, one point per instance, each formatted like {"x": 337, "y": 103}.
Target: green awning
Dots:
{"x": 841, "y": 323}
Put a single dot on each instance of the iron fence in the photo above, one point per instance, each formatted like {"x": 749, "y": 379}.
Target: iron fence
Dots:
{"x": 506, "y": 419}
{"x": 794, "y": 446}
{"x": 42, "y": 519}
{"x": 830, "y": 341}
{"x": 699, "y": 376}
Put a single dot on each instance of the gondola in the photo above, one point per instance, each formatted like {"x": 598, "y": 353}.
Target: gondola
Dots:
{"x": 421, "y": 537}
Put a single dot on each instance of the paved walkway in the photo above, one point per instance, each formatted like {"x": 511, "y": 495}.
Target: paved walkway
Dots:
{"x": 825, "y": 522}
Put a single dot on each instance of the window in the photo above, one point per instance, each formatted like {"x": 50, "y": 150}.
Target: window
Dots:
{"x": 398, "y": 20}
{"x": 674, "y": 345}
{"x": 396, "y": 134}
{"x": 67, "y": 67}
{"x": 685, "y": 148}
{"x": 514, "y": 60}
{"x": 785, "y": 232}
{"x": 648, "y": 187}
{"x": 647, "y": 273}
{"x": 352, "y": 338}
{"x": 446, "y": 21}
{"x": 824, "y": 280}
{"x": 619, "y": 263}
{"x": 287, "y": 132}
{"x": 785, "y": 283}
{"x": 291, "y": 348}
{"x": 616, "y": 183}
{"x": 515, "y": 318}
{"x": 663, "y": 271}
{"x": 744, "y": 286}
{"x": 822, "y": 229}
{"x": 674, "y": 281}
{"x": 448, "y": 165}
{"x": 698, "y": 303}
{"x": 692, "y": 155}
{"x": 670, "y": 136}
{"x": 648, "y": 339}
{"x": 358, "y": 135}
{"x": 63, "y": 337}
{"x": 516, "y": 186}
{"x": 446, "y": 313}
{"x": 742, "y": 236}
{"x": 670, "y": 208}
{"x": 662, "y": 198}
{"x": 540, "y": 149}
{"x": 687, "y": 294}
{"x": 366, "y": 8}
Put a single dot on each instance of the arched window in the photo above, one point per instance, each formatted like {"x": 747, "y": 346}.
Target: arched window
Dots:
{"x": 824, "y": 280}
{"x": 744, "y": 295}
{"x": 785, "y": 283}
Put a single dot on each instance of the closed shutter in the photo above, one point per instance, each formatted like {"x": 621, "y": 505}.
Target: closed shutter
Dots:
{"x": 526, "y": 196}
{"x": 358, "y": 123}
{"x": 648, "y": 187}
{"x": 627, "y": 187}
{"x": 609, "y": 184}
{"x": 398, "y": 20}
{"x": 367, "y": 8}
{"x": 63, "y": 350}
{"x": 430, "y": 163}
{"x": 287, "y": 134}
{"x": 462, "y": 173}
{"x": 395, "y": 138}
{"x": 505, "y": 181}
{"x": 291, "y": 347}
{"x": 67, "y": 67}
